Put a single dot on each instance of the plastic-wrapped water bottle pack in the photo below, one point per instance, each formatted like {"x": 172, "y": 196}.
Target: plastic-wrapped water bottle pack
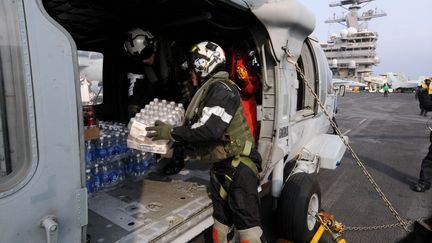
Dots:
{"x": 168, "y": 112}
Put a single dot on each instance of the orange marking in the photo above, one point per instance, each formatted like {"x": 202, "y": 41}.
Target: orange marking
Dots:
{"x": 242, "y": 72}
{"x": 215, "y": 235}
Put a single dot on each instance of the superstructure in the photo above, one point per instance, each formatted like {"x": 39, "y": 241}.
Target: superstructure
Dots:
{"x": 352, "y": 54}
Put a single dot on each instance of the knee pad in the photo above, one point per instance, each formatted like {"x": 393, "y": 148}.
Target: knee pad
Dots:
{"x": 222, "y": 233}
{"x": 251, "y": 235}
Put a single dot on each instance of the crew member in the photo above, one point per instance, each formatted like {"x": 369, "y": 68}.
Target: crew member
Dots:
{"x": 425, "y": 178}
{"x": 425, "y": 85}
{"x": 386, "y": 90}
{"x": 247, "y": 79}
{"x": 144, "y": 78}
{"x": 218, "y": 132}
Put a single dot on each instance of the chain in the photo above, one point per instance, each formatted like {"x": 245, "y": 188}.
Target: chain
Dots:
{"x": 370, "y": 228}
{"x": 401, "y": 221}
{"x": 380, "y": 227}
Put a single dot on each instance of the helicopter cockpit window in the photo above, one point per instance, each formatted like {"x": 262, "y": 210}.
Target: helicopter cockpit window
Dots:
{"x": 15, "y": 159}
{"x": 305, "y": 99}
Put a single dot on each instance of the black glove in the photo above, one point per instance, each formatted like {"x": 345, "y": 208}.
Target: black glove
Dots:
{"x": 132, "y": 110}
{"x": 161, "y": 131}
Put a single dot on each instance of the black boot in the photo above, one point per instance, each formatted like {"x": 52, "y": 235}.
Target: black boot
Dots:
{"x": 420, "y": 187}
{"x": 420, "y": 234}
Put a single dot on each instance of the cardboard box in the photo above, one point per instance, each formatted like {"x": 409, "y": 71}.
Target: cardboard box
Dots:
{"x": 147, "y": 145}
{"x": 91, "y": 133}
{"x": 138, "y": 140}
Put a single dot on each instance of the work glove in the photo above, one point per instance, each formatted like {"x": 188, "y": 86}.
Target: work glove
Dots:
{"x": 161, "y": 131}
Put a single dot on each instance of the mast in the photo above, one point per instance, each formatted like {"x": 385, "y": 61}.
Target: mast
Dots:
{"x": 352, "y": 54}
{"x": 352, "y": 18}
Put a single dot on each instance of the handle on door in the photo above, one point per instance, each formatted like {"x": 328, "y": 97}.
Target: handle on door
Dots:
{"x": 49, "y": 223}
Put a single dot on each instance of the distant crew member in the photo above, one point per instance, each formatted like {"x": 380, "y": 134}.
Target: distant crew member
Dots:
{"x": 425, "y": 85}
{"x": 386, "y": 90}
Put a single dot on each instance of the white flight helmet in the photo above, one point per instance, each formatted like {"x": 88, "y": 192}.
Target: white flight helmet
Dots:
{"x": 140, "y": 44}
{"x": 207, "y": 57}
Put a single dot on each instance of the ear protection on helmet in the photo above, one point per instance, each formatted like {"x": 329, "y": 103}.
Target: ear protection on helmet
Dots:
{"x": 140, "y": 44}
{"x": 206, "y": 57}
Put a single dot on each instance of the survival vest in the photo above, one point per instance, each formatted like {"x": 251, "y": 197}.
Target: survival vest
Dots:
{"x": 237, "y": 139}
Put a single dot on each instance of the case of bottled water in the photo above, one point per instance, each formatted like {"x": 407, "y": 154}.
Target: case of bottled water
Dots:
{"x": 168, "y": 112}
{"x": 109, "y": 162}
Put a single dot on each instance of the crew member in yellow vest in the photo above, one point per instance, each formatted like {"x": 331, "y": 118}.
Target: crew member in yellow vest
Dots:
{"x": 425, "y": 177}
{"x": 217, "y": 131}
{"x": 425, "y": 85}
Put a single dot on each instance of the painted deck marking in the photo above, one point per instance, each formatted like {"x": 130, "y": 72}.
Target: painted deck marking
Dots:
{"x": 345, "y": 133}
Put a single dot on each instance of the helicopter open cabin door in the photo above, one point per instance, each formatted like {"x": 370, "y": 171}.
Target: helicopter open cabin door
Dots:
{"x": 42, "y": 198}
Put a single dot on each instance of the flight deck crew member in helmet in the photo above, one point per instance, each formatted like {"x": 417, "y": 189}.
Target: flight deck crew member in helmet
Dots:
{"x": 244, "y": 75}
{"x": 217, "y": 130}
{"x": 425, "y": 178}
{"x": 143, "y": 79}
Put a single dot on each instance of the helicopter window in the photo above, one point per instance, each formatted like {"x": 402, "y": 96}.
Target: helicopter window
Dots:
{"x": 14, "y": 131}
{"x": 305, "y": 98}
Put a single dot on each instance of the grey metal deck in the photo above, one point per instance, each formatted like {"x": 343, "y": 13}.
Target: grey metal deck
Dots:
{"x": 155, "y": 209}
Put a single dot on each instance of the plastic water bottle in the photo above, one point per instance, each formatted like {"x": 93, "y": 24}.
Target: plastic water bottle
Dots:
{"x": 89, "y": 154}
{"x": 116, "y": 145}
{"x": 109, "y": 147}
{"x": 179, "y": 115}
{"x": 123, "y": 143}
{"x": 105, "y": 176}
{"x": 101, "y": 148}
{"x": 171, "y": 105}
{"x": 152, "y": 162}
{"x": 129, "y": 165}
{"x": 113, "y": 174}
{"x": 138, "y": 117}
{"x": 137, "y": 166}
{"x": 121, "y": 171}
{"x": 97, "y": 184}
{"x": 180, "y": 106}
{"x": 143, "y": 164}
{"x": 89, "y": 181}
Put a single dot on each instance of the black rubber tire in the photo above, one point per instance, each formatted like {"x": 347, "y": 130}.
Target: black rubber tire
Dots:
{"x": 293, "y": 207}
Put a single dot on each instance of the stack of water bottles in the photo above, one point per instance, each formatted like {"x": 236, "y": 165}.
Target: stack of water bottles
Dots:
{"x": 168, "y": 112}
{"x": 109, "y": 161}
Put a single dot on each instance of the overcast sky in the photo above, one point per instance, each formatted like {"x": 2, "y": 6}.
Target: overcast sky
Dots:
{"x": 405, "y": 34}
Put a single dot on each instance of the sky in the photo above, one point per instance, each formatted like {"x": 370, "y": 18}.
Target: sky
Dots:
{"x": 405, "y": 34}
